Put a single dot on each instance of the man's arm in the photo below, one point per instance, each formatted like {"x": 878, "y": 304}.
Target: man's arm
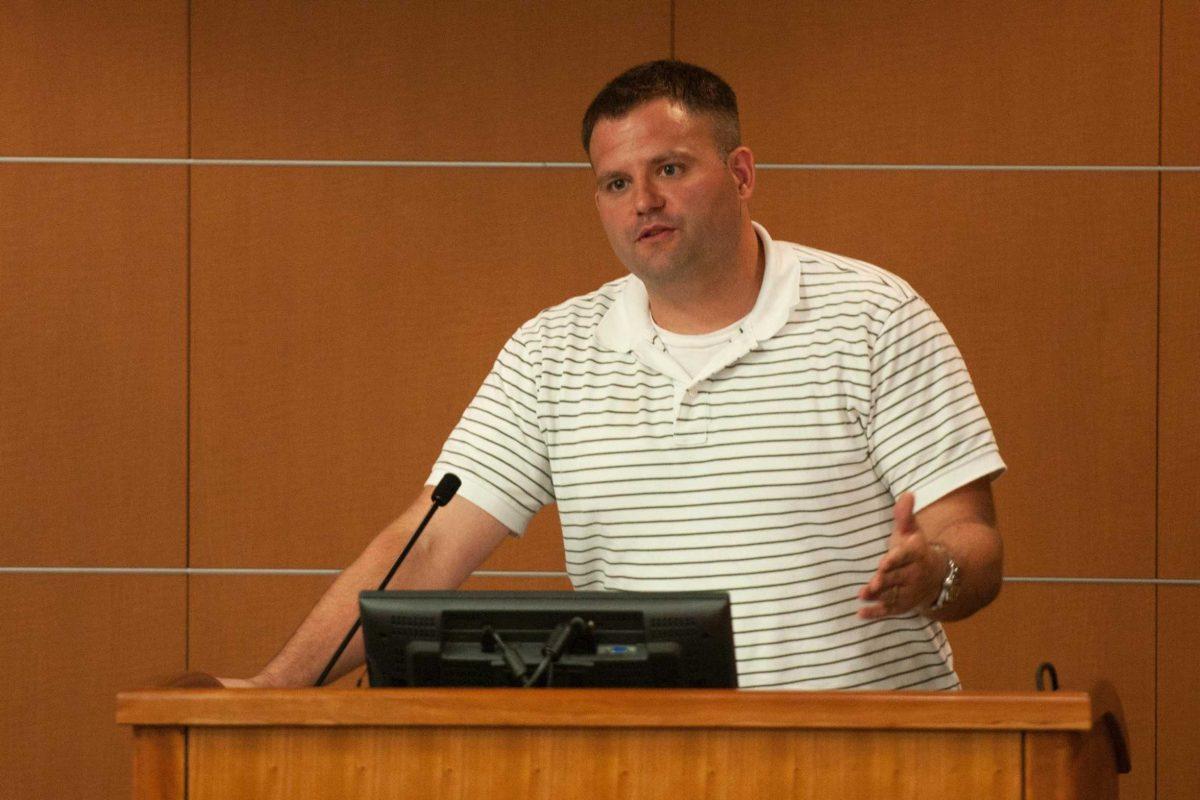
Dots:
{"x": 456, "y": 541}
{"x": 910, "y": 575}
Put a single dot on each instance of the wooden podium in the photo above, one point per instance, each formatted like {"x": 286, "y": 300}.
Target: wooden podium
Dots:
{"x": 571, "y": 744}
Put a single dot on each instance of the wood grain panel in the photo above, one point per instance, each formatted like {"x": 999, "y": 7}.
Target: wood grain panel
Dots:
{"x": 942, "y": 82}
{"x": 70, "y": 643}
{"x": 237, "y": 623}
{"x": 1180, "y": 89}
{"x": 425, "y": 80}
{"x": 1178, "y": 691}
{"x": 579, "y": 764}
{"x": 1179, "y": 380}
{"x": 1056, "y": 767}
{"x": 1047, "y": 282}
{"x": 93, "y": 339}
{"x": 207, "y": 706}
{"x": 1090, "y": 632}
{"x": 341, "y": 321}
{"x": 159, "y": 759}
{"x": 104, "y": 78}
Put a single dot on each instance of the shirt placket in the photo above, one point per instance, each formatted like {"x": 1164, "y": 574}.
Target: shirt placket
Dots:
{"x": 692, "y": 404}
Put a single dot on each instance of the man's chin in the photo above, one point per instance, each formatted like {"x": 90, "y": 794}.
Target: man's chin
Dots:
{"x": 660, "y": 263}
{"x": 658, "y": 273}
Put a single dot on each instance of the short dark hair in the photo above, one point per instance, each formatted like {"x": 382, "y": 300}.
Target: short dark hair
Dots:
{"x": 694, "y": 88}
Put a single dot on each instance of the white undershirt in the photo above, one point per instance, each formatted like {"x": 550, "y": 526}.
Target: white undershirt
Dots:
{"x": 694, "y": 351}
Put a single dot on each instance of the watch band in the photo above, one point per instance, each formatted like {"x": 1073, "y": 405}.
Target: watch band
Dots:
{"x": 950, "y": 584}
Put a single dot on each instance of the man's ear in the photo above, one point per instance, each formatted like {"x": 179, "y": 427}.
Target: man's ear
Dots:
{"x": 741, "y": 167}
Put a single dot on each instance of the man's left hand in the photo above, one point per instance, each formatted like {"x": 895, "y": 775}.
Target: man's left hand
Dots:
{"x": 910, "y": 574}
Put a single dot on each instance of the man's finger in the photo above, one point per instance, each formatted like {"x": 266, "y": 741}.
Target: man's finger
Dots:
{"x": 883, "y": 604}
{"x": 897, "y": 558}
{"x": 883, "y": 581}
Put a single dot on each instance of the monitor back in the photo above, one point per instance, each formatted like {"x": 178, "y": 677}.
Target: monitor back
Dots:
{"x": 618, "y": 639}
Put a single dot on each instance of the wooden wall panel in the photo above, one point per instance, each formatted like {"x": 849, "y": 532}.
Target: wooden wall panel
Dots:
{"x": 1089, "y": 633}
{"x": 70, "y": 643}
{"x": 93, "y": 79}
{"x": 92, "y": 365}
{"x": 239, "y": 622}
{"x": 1178, "y": 692}
{"x": 942, "y": 82}
{"x": 1180, "y": 87}
{"x": 423, "y": 80}
{"x": 1179, "y": 380}
{"x": 1047, "y": 282}
{"x": 341, "y": 321}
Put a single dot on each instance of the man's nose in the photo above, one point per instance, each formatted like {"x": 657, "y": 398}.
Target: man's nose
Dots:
{"x": 646, "y": 197}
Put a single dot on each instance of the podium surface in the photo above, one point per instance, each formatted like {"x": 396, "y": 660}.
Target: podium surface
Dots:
{"x": 570, "y": 744}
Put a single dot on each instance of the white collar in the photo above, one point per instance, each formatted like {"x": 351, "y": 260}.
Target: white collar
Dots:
{"x": 628, "y": 323}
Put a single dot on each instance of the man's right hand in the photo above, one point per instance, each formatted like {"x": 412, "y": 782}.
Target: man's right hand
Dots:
{"x": 243, "y": 683}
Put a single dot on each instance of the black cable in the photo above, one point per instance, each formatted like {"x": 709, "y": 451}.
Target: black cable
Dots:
{"x": 553, "y": 649}
{"x": 516, "y": 665}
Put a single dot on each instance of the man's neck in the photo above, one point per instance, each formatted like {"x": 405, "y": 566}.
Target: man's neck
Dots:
{"x": 709, "y": 305}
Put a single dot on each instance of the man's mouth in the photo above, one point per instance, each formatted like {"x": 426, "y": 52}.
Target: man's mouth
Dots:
{"x": 652, "y": 232}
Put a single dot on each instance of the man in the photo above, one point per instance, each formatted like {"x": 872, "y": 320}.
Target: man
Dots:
{"x": 738, "y": 413}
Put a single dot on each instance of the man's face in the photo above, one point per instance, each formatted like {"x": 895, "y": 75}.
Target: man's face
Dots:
{"x": 668, "y": 200}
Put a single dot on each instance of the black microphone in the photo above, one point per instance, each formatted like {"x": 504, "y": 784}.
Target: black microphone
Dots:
{"x": 446, "y": 488}
{"x": 442, "y": 494}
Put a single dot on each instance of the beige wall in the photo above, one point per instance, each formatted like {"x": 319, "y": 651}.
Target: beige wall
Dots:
{"x": 215, "y": 367}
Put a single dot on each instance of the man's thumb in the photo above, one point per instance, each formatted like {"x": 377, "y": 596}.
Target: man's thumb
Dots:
{"x": 903, "y": 520}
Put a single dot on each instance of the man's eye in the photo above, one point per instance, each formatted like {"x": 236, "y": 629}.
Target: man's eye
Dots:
{"x": 670, "y": 169}
{"x": 616, "y": 184}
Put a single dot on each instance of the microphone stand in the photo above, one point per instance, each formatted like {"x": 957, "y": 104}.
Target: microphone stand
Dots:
{"x": 442, "y": 493}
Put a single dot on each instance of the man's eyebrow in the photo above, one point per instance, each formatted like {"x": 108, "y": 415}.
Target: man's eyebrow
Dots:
{"x": 608, "y": 175}
{"x": 672, "y": 155}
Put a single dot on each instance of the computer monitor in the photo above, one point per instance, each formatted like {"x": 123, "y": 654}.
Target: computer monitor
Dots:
{"x": 595, "y": 639}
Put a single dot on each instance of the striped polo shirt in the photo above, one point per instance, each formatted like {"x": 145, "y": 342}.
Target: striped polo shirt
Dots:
{"x": 770, "y": 474}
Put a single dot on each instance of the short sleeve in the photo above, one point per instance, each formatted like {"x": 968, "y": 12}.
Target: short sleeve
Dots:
{"x": 927, "y": 432}
{"x": 497, "y": 448}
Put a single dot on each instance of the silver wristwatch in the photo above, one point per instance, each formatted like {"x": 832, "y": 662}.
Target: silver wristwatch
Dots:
{"x": 951, "y": 583}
